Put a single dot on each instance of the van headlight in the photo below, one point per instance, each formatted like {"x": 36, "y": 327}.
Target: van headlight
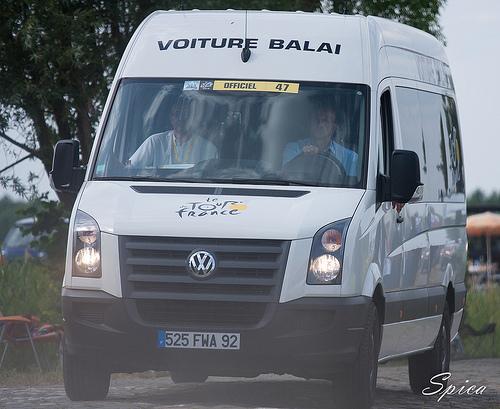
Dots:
{"x": 86, "y": 247}
{"x": 327, "y": 253}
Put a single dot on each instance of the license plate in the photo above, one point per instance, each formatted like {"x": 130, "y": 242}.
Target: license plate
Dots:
{"x": 198, "y": 340}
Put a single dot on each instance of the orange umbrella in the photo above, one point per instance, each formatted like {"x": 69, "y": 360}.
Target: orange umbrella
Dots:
{"x": 484, "y": 224}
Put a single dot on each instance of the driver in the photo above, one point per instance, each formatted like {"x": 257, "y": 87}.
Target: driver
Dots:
{"x": 322, "y": 141}
{"x": 180, "y": 145}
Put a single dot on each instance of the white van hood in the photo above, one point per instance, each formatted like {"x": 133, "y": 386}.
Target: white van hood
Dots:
{"x": 124, "y": 208}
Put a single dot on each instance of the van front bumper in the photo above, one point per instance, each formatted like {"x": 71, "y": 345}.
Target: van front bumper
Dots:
{"x": 309, "y": 337}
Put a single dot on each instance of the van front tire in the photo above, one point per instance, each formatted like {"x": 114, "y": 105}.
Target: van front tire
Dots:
{"x": 355, "y": 388}
{"x": 422, "y": 367}
{"x": 85, "y": 378}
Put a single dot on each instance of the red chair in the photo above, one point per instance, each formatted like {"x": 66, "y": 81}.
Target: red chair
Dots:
{"x": 26, "y": 330}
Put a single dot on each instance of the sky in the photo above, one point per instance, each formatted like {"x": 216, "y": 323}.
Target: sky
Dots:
{"x": 472, "y": 31}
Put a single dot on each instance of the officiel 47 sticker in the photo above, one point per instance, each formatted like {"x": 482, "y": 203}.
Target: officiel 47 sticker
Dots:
{"x": 212, "y": 207}
{"x": 231, "y": 85}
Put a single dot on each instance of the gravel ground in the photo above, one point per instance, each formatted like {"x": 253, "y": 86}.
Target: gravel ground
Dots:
{"x": 266, "y": 391}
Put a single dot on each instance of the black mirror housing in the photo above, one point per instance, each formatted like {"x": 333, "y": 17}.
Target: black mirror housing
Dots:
{"x": 67, "y": 175}
{"x": 405, "y": 176}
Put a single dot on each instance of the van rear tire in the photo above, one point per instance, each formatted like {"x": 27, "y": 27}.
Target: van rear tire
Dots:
{"x": 355, "y": 387}
{"x": 85, "y": 378}
{"x": 422, "y": 367}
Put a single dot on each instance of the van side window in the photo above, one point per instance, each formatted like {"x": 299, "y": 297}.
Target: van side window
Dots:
{"x": 455, "y": 165}
{"x": 387, "y": 131}
{"x": 429, "y": 126}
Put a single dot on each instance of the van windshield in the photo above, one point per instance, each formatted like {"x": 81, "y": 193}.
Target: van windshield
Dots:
{"x": 235, "y": 131}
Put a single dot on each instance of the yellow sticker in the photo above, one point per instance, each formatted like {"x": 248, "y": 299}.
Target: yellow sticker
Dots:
{"x": 238, "y": 206}
{"x": 262, "y": 86}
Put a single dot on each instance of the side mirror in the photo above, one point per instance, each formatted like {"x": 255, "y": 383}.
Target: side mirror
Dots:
{"x": 67, "y": 175}
{"x": 405, "y": 185}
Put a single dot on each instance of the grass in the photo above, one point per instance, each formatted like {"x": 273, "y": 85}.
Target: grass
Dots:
{"x": 32, "y": 377}
{"x": 482, "y": 307}
{"x": 30, "y": 288}
{"x": 21, "y": 358}
{"x": 20, "y": 369}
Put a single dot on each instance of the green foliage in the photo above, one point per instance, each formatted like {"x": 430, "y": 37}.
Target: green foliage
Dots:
{"x": 482, "y": 308}
{"x": 30, "y": 288}
{"x": 9, "y": 213}
{"x": 14, "y": 183}
{"x": 17, "y": 376}
{"x": 20, "y": 362}
{"x": 35, "y": 289}
{"x": 417, "y": 13}
{"x": 57, "y": 58}
{"x": 478, "y": 197}
{"x": 50, "y": 228}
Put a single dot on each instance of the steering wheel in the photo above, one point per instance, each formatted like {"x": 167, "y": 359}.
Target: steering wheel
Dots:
{"x": 315, "y": 167}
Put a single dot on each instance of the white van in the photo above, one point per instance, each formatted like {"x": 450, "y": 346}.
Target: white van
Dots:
{"x": 267, "y": 192}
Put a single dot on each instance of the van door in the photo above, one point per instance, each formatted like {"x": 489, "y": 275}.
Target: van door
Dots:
{"x": 422, "y": 130}
{"x": 389, "y": 230}
{"x": 414, "y": 281}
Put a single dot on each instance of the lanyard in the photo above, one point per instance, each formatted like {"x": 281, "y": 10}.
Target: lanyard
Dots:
{"x": 186, "y": 153}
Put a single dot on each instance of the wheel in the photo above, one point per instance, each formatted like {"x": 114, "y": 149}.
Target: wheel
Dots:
{"x": 422, "y": 367}
{"x": 355, "y": 388}
{"x": 187, "y": 377}
{"x": 60, "y": 353}
{"x": 315, "y": 167}
{"x": 85, "y": 378}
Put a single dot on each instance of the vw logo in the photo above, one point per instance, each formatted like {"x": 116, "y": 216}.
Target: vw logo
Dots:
{"x": 201, "y": 263}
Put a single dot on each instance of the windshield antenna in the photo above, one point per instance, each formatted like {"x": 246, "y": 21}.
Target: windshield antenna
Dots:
{"x": 245, "y": 53}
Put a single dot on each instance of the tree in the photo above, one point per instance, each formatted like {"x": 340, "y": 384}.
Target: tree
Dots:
{"x": 417, "y": 13}
{"x": 58, "y": 57}
{"x": 479, "y": 198}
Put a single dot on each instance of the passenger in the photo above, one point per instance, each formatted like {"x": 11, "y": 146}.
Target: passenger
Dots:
{"x": 322, "y": 140}
{"x": 180, "y": 145}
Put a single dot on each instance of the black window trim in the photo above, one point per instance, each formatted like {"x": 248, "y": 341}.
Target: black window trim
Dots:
{"x": 442, "y": 92}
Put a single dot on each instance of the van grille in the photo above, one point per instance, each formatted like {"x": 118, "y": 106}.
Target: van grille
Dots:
{"x": 94, "y": 313}
{"x": 248, "y": 277}
{"x": 201, "y": 314}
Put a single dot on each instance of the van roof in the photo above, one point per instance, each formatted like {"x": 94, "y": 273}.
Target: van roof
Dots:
{"x": 394, "y": 34}
{"x": 285, "y": 45}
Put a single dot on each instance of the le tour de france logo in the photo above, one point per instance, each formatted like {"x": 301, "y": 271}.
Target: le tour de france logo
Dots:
{"x": 211, "y": 207}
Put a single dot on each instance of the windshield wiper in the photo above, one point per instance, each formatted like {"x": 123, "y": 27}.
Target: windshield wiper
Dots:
{"x": 155, "y": 179}
{"x": 282, "y": 182}
{"x": 134, "y": 178}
